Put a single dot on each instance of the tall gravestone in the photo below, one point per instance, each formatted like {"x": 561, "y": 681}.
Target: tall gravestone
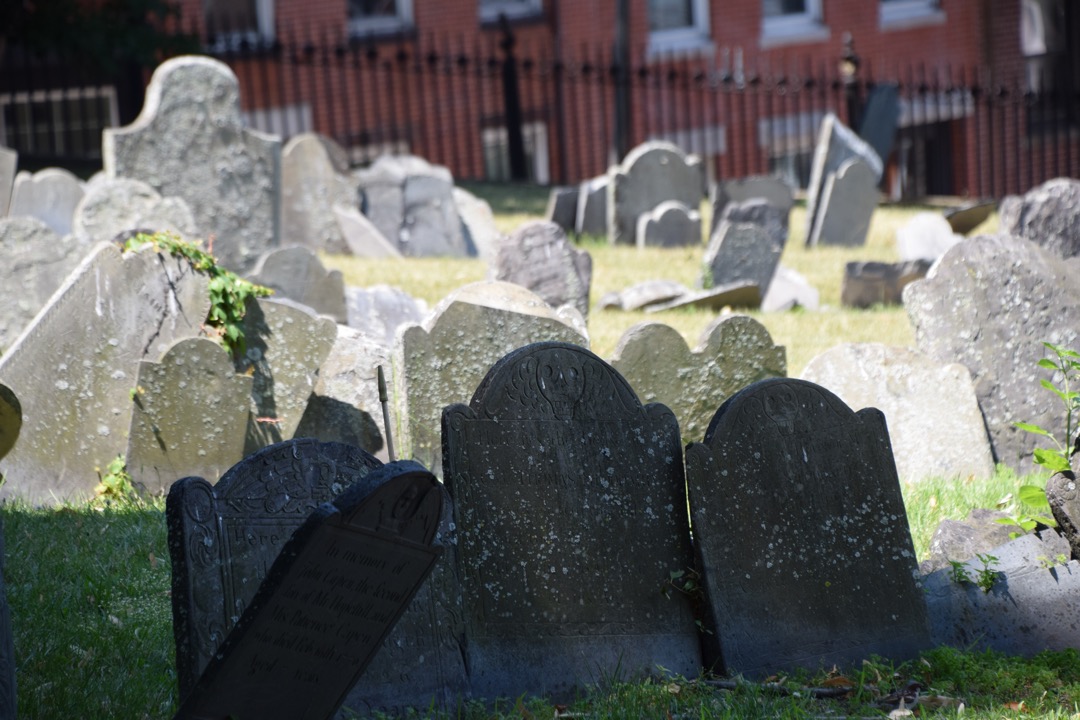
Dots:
{"x": 591, "y": 216}
{"x": 75, "y": 366}
{"x": 297, "y": 273}
{"x": 800, "y": 526}
{"x": 190, "y": 142}
{"x": 443, "y": 360}
{"x": 846, "y": 205}
{"x": 746, "y": 244}
{"x": 50, "y": 195}
{"x": 650, "y": 174}
{"x": 538, "y": 256}
{"x": 329, "y": 601}
{"x": 836, "y": 144}
{"x": 113, "y": 206}
{"x": 734, "y": 351}
{"x": 310, "y": 187}
{"x": 570, "y": 510}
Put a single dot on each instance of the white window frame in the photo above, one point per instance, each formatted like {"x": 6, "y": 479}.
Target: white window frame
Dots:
{"x": 903, "y": 14}
{"x": 513, "y": 9}
{"x": 359, "y": 27}
{"x": 690, "y": 38}
{"x": 495, "y": 143}
{"x": 791, "y": 28}
{"x": 264, "y": 29}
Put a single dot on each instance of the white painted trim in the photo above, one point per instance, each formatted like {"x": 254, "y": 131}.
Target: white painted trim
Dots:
{"x": 359, "y": 27}
{"x": 693, "y": 38}
{"x": 794, "y": 28}
{"x": 513, "y": 9}
{"x": 904, "y": 14}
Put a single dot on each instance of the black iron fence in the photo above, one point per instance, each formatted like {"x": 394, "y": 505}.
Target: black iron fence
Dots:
{"x": 493, "y": 108}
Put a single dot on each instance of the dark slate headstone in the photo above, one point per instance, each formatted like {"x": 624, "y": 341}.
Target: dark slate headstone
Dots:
{"x": 879, "y": 283}
{"x": 771, "y": 189}
{"x": 562, "y": 207}
{"x": 801, "y": 531}
{"x": 330, "y": 599}
{"x": 570, "y": 507}
{"x": 880, "y": 117}
{"x": 746, "y": 244}
{"x": 224, "y": 537}
{"x": 540, "y": 257}
{"x": 10, "y": 419}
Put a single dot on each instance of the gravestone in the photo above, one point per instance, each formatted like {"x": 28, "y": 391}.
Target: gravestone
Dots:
{"x": 478, "y": 224}
{"x": 443, "y": 360}
{"x": 591, "y": 217}
{"x": 189, "y": 415}
{"x": 730, "y": 295}
{"x": 378, "y": 311}
{"x": 75, "y": 366}
{"x": 836, "y": 145}
{"x": 311, "y": 186}
{"x": 223, "y": 537}
{"x": 10, "y": 419}
{"x": 788, "y": 290}
{"x": 1048, "y": 215}
{"x": 330, "y": 599}
{"x": 190, "y": 142}
{"x": 645, "y": 294}
{"x": 50, "y": 195}
{"x": 967, "y": 217}
{"x": 989, "y": 303}
{"x": 562, "y": 207}
{"x": 650, "y": 174}
{"x": 570, "y": 509}
{"x": 113, "y": 206}
{"x": 769, "y": 188}
{"x": 934, "y": 421}
{"x": 8, "y": 703}
{"x": 733, "y": 352}
{"x": 846, "y": 205}
{"x": 285, "y": 346}
{"x": 746, "y": 245}
{"x": 34, "y": 261}
{"x": 297, "y": 273}
{"x": 925, "y": 237}
{"x": 803, "y": 540}
{"x": 880, "y": 117}
{"x": 361, "y": 236}
{"x": 669, "y": 224}
{"x": 879, "y": 283}
{"x": 538, "y": 256}
{"x": 9, "y": 161}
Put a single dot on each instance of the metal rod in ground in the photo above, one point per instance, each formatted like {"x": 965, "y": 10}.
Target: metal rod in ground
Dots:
{"x": 386, "y": 415}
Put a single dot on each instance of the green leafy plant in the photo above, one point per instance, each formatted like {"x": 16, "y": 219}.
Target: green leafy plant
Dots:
{"x": 984, "y": 578}
{"x": 1031, "y": 510}
{"x": 114, "y": 484}
{"x": 228, "y": 291}
{"x": 1067, "y": 363}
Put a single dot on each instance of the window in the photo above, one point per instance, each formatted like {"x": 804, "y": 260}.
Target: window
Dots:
{"x": 901, "y": 14}
{"x": 490, "y": 10}
{"x": 1049, "y": 31}
{"x": 497, "y": 153}
{"x": 368, "y": 17}
{"x": 231, "y": 22}
{"x": 57, "y": 122}
{"x": 678, "y": 25}
{"x": 792, "y": 21}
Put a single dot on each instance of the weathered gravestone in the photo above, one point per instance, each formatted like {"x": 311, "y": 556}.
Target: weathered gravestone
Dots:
{"x": 961, "y": 540}
{"x": 836, "y": 144}
{"x": 539, "y": 257}
{"x": 644, "y": 294}
{"x": 7, "y": 647}
{"x": 846, "y": 205}
{"x": 789, "y": 290}
{"x": 50, "y": 195}
{"x": 189, "y": 415}
{"x": 733, "y": 352}
{"x": 1048, "y": 215}
{"x": 768, "y": 188}
{"x": 328, "y": 602}
{"x": 729, "y": 295}
{"x": 189, "y": 141}
{"x": 112, "y": 206}
{"x": 297, "y": 273}
{"x": 378, "y": 311}
{"x": 310, "y": 187}
{"x": 880, "y": 116}
{"x": 989, "y": 303}
{"x": 75, "y": 366}
{"x": 478, "y": 224}
{"x": 591, "y": 217}
{"x": 571, "y": 513}
{"x": 934, "y": 420}
{"x": 10, "y": 419}
{"x": 800, "y": 527}
{"x": 443, "y": 360}
{"x": 669, "y": 224}
{"x": 34, "y": 261}
{"x": 925, "y": 237}
{"x": 650, "y": 174}
{"x": 562, "y": 207}
{"x": 879, "y": 283}
{"x": 746, "y": 245}
{"x": 361, "y": 236}
{"x": 9, "y": 161}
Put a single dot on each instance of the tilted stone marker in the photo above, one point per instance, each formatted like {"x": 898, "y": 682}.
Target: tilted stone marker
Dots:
{"x": 75, "y": 367}
{"x": 772, "y": 190}
{"x": 310, "y": 187}
{"x": 189, "y": 415}
{"x": 650, "y": 174}
{"x": 478, "y": 224}
{"x": 190, "y": 142}
{"x": 733, "y": 352}
{"x": 538, "y": 256}
{"x": 729, "y": 295}
{"x": 836, "y": 144}
{"x": 669, "y": 224}
{"x": 1048, "y": 215}
{"x": 800, "y": 526}
{"x": 846, "y": 205}
{"x": 746, "y": 245}
{"x": 9, "y": 161}
{"x": 10, "y": 419}
{"x": 360, "y": 234}
{"x": 50, "y": 195}
{"x": 570, "y": 509}
{"x": 934, "y": 420}
{"x": 879, "y": 283}
{"x": 113, "y": 206}
{"x": 330, "y": 599}
{"x": 297, "y": 273}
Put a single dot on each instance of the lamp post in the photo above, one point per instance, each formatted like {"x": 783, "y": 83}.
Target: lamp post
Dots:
{"x": 849, "y": 75}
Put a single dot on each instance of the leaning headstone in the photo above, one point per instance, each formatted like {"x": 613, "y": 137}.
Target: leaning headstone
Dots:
{"x": 297, "y": 273}
{"x": 75, "y": 366}
{"x": 669, "y": 224}
{"x": 189, "y": 415}
{"x": 113, "y": 206}
{"x": 328, "y": 602}
{"x": 846, "y": 205}
{"x": 989, "y": 303}
{"x": 443, "y": 360}
{"x": 591, "y": 217}
{"x": 788, "y": 290}
{"x": 1048, "y": 215}
{"x": 9, "y": 161}
{"x": 967, "y": 217}
{"x": 562, "y": 207}
{"x": 769, "y": 188}
{"x": 8, "y": 701}
{"x": 880, "y": 117}
{"x": 378, "y": 311}
{"x": 746, "y": 245}
{"x": 538, "y": 256}
{"x": 879, "y": 283}
{"x": 733, "y": 352}
{"x": 934, "y": 421}
{"x": 651, "y": 173}
{"x": 190, "y": 142}
{"x": 310, "y": 187}
{"x": 800, "y": 526}
{"x": 836, "y": 145}
{"x": 361, "y": 236}
{"x": 571, "y": 514}
{"x": 34, "y": 261}
{"x": 478, "y": 224}
{"x": 651, "y": 292}
{"x": 730, "y": 295}
{"x": 50, "y": 195}
{"x": 10, "y": 419}
{"x": 925, "y": 237}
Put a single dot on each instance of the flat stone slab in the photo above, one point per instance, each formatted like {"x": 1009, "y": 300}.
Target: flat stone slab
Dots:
{"x": 733, "y": 295}
{"x": 966, "y": 218}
